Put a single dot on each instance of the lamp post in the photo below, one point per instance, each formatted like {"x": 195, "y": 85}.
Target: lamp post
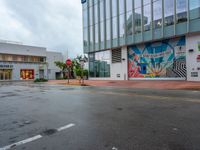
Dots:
{"x": 82, "y": 62}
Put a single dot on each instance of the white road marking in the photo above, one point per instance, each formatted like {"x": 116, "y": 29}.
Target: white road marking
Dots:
{"x": 34, "y": 138}
{"x": 22, "y": 142}
{"x": 65, "y": 127}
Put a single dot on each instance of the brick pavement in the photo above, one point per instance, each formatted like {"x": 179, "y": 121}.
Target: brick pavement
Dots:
{"x": 179, "y": 85}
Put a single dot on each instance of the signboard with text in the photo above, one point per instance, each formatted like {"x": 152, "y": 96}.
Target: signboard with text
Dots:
{"x": 6, "y": 66}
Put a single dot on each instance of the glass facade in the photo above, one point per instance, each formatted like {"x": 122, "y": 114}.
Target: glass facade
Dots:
{"x": 129, "y": 17}
{"x": 137, "y": 16}
{"x": 105, "y": 22}
{"x": 194, "y": 9}
{"x": 181, "y": 11}
{"x": 157, "y": 14}
{"x": 99, "y": 64}
{"x": 147, "y": 15}
{"x": 169, "y": 12}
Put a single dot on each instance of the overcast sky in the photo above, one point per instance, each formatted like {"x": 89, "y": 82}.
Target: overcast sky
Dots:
{"x": 55, "y": 24}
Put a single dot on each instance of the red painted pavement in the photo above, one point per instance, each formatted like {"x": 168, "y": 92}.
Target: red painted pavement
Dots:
{"x": 137, "y": 84}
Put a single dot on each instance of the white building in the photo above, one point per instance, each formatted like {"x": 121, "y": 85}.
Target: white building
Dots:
{"x": 22, "y": 62}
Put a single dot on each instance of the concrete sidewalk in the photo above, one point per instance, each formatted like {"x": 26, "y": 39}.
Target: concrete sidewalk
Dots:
{"x": 179, "y": 85}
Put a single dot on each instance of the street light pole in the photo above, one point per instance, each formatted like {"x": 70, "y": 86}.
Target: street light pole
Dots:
{"x": 82, "y": 62}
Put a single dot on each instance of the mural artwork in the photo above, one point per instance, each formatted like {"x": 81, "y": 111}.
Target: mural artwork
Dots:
{"x": 166, "y": 59}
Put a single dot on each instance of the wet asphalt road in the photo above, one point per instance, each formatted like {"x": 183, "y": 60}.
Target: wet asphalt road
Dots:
{"x": 104, "y": 118}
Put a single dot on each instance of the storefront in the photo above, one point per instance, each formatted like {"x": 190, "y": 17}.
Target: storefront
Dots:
{"x": 6, "y": 72}
{"x": 26, "y": 74}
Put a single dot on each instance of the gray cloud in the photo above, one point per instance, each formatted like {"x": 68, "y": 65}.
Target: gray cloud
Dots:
{"x": 56, "y": 25}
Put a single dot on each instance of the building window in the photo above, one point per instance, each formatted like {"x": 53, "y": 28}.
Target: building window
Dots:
{"x": 121, "y": 25}
{"x": 194, "y": 9}
{"x": 108, "y": 9}
{"x": 85, "y": 18}
{"x": 121, "y": 7}
{"x": 96, "y": 33}
{"x": 101, "y": 10}
{"x": 91, "y": 35}
{"x": 108, "y": 29}
{"x": 129, "y": 17}
{"x": 114, "y": 26}
{"x": 99, "y": 64}
{"x": 85, "y": 36}
{"x": 102, "y": 31}
{"x": 138, "y": 16}
{"x": 114, "y": 8}
{"x": 181, "y": 11}
{"x": 91, "y": 15}
{"x": 129, "y": 5}
{"x": 129, "y": 23}
{"x": 169, "y": 12}
{"x": 147, "y": 15}
{"x": 96, "y": 14}
{"x": 157, "y": 14}
{"x": 102, "y": 21}
{"x": 26, "y": 74}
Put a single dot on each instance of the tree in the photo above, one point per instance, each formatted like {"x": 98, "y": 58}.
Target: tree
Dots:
{"x": 62, "y": 66}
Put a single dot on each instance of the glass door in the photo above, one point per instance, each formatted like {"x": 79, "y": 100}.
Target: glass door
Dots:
{"x": 7, "y": 74}
{"x": 1, "y": 75}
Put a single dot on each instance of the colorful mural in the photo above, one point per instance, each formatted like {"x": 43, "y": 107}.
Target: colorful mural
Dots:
{"x": 165, "y": 59}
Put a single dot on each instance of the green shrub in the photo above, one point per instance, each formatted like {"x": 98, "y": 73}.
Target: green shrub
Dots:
{"x": 85, "y": 73}
{"x": 78, "y": 72}
{"x": 40, "y": 80}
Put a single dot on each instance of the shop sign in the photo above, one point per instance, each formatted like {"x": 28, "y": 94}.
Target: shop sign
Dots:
{"x": 83, "y": 1}
{"x": 6, "y": 66}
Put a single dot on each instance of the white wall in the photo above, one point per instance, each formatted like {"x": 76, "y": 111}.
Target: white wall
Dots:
{"x": 51, "y": 58}
{"x": 191, "y": 57}
{"x": 119, "y": 71}
{"x": 7, "y": 48}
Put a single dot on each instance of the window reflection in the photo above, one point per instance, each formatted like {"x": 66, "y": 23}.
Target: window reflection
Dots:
{"x": 99, "y": 64}
{"x": 108, "y": 30}
{"x": 121, "y": 25}
{"x": 138, "y": 20}
{"x": 114, "y": 8}
{"x": 169, "y": 12}
{"x": 129, "y": 17}
{"x": 129, "y": 5}
{"x": 157, "y": 14}
{"x": 194, "y": 9}
{"x": 181, "y": 10}
{"x": 147, "y": 15}
{"x": 96, "y": 33}
{"x": 114, "y": 27}
{"x": 102, "y": 31}
{"x": 129, "y": 23}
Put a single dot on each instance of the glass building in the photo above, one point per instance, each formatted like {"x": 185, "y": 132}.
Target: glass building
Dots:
{"x": 148, "y": 39}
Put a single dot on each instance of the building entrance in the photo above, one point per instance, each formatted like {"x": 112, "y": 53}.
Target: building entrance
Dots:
{"x": 5, "y": 74}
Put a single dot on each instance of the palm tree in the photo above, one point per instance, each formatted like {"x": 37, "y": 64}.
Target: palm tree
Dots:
{"x": 62, "y": 66}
